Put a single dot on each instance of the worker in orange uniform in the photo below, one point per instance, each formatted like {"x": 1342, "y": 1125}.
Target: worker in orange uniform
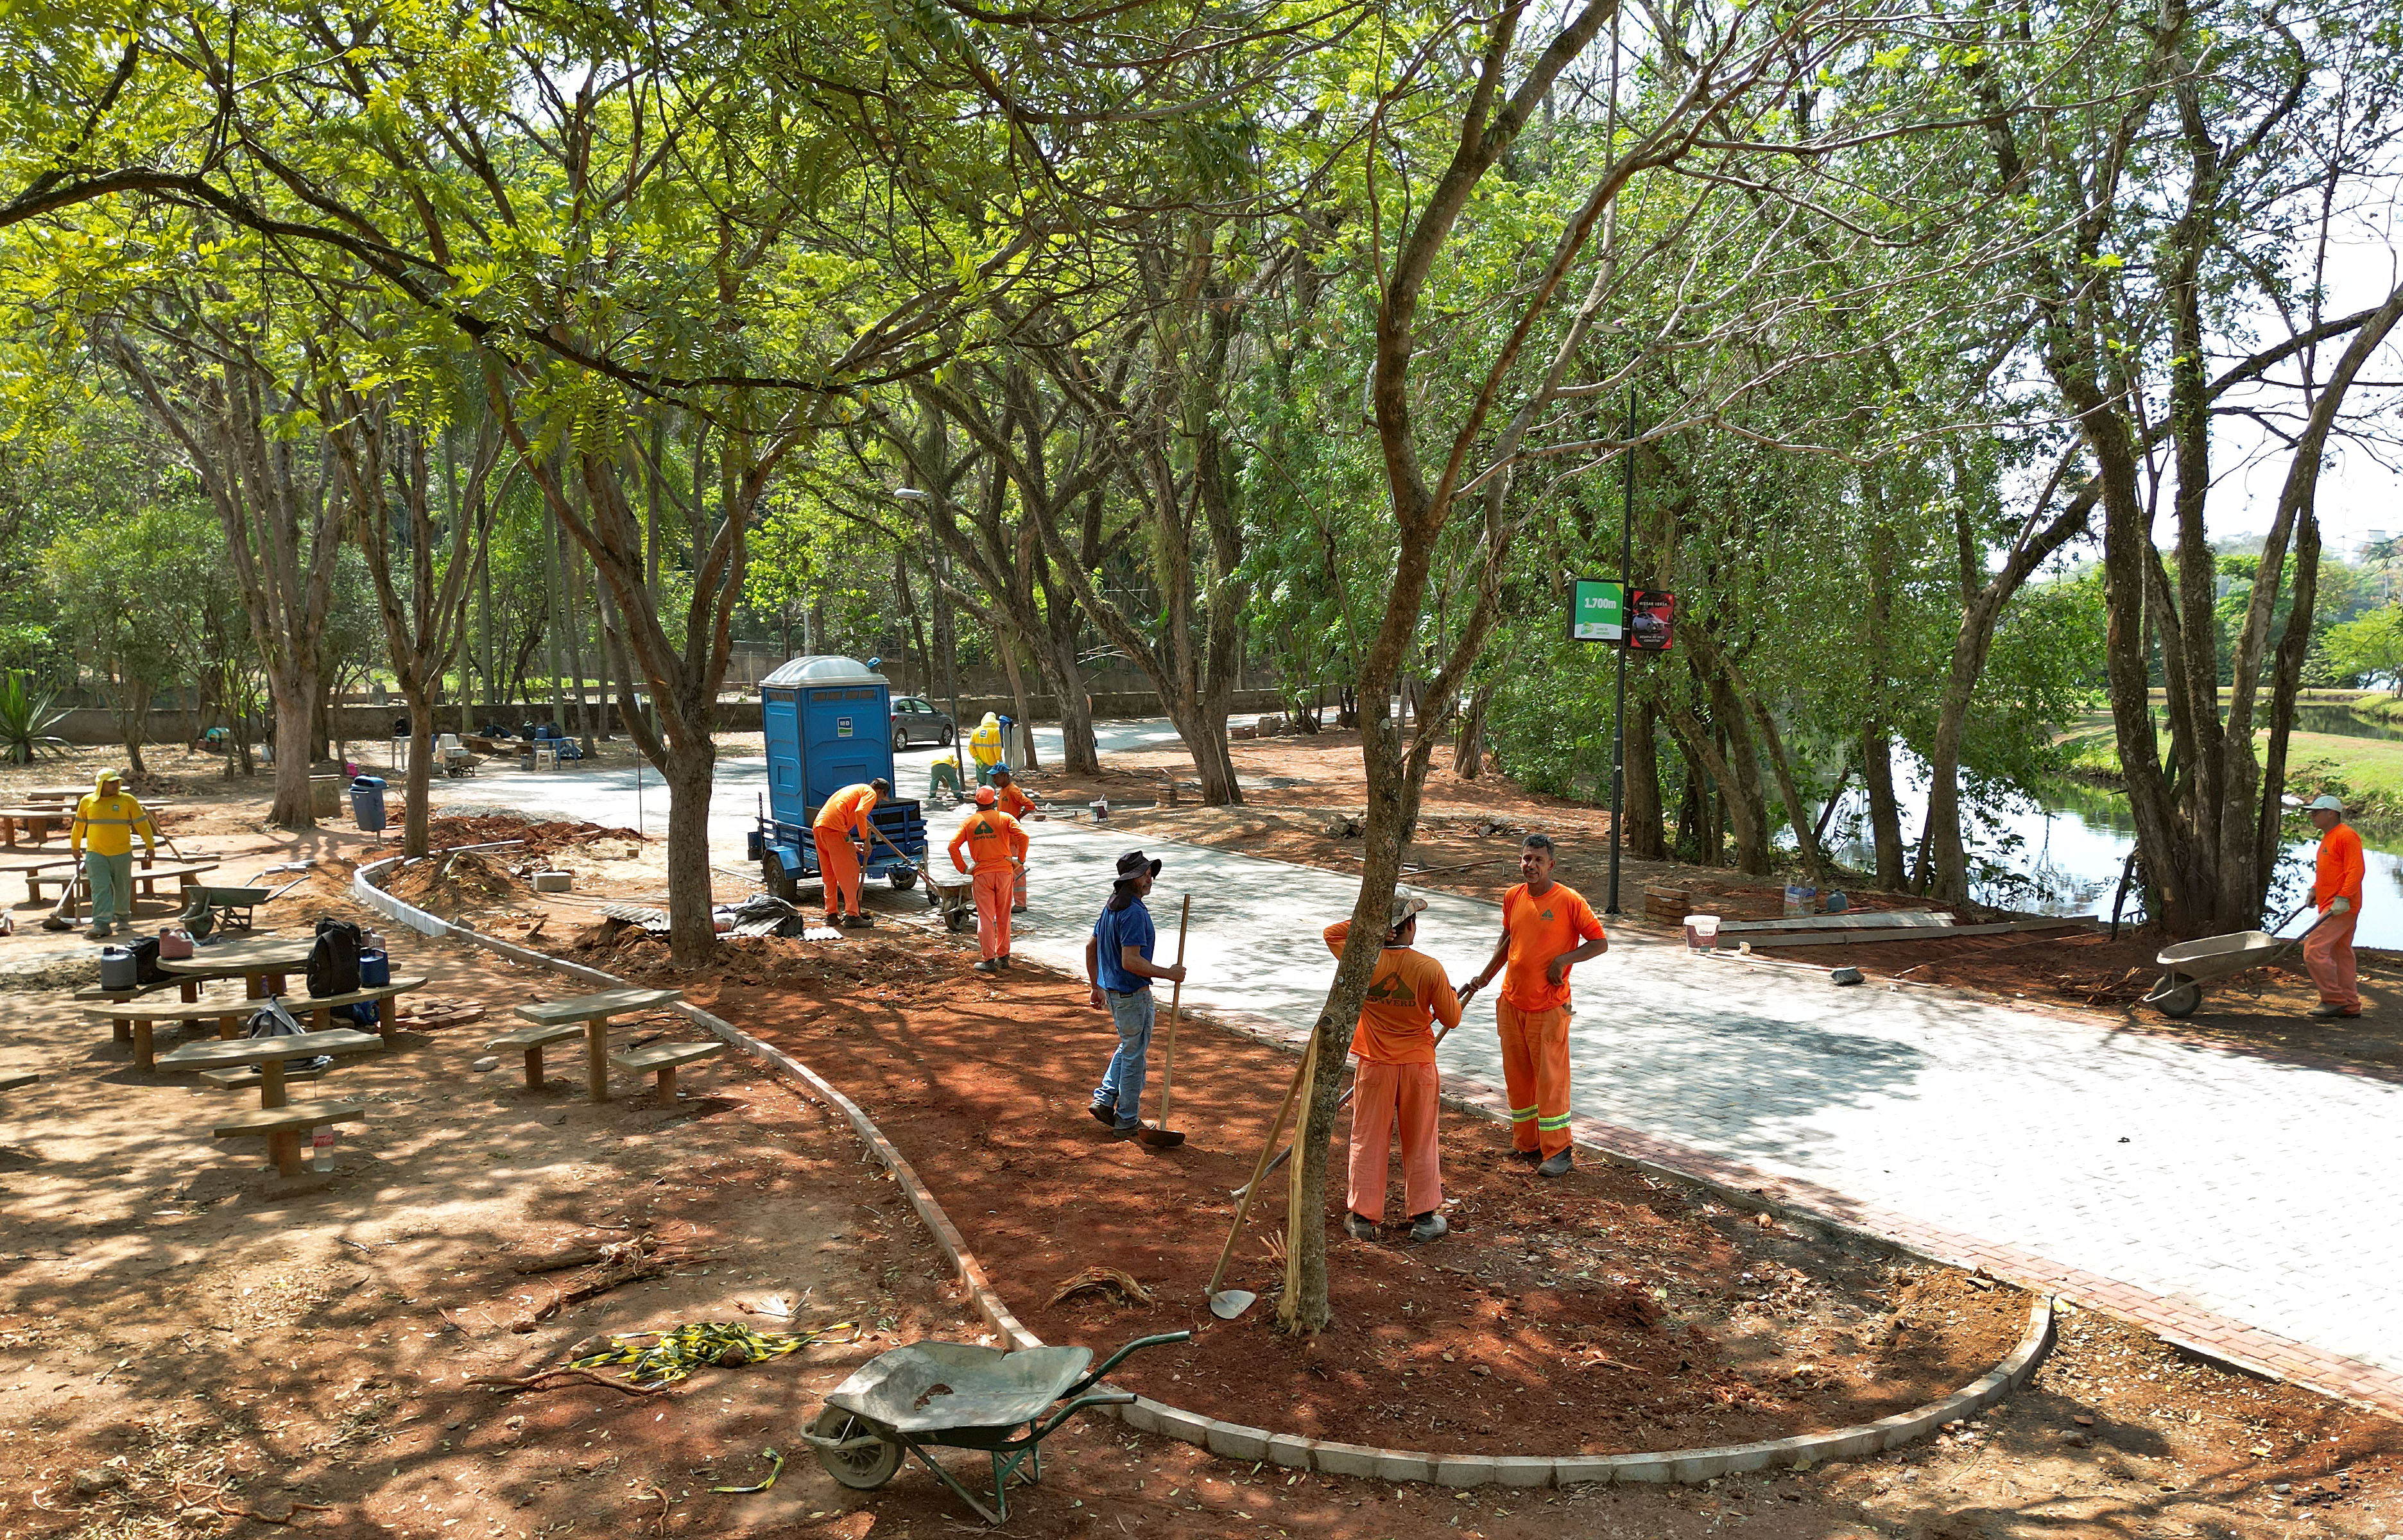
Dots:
{"x": 1011, "y": 800}
{"x": 996, "y": 852}
{"x": 1396, "y": 1081}
{"x": 840, "y": 830}
{"x": 2336, "y": 892}
{"x": 1546, "y": 929}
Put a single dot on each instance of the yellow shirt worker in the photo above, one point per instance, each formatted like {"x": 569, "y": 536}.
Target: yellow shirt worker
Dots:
{"x": 106, "y": 823}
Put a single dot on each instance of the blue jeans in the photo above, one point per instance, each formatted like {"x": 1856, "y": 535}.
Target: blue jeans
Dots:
{"x": 1123, "y": 1085}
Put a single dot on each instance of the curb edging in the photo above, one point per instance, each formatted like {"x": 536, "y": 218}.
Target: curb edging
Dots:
{"x": 1237, "y": 1441}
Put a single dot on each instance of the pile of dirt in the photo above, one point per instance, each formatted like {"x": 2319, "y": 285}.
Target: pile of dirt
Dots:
{"x": 837, "y": 969}
{"x": 540, "y": 836}
{"x": 449, "y": 883}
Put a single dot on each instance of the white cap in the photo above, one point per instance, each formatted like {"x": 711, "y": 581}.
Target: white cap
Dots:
{"x": 2325, "y": 801}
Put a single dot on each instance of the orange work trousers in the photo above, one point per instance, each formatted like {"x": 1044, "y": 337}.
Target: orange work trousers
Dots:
{"x": 992, "y": 888}
{"x": 1535, "y": 1071}
{"x": 1384, "y": 1095}
{"x": 2328, "y": 953}
{"x": 837, "y": 869}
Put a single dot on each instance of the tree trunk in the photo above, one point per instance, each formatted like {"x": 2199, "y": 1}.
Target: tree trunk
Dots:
{"x": 132, "y": 721}
{"x": 1886, "y": 815}
{"x": 1644, "y": 840}
{"x": 417, "y": 783}
{"x": 293, "y": 690}
{"x": 691, "y": 771}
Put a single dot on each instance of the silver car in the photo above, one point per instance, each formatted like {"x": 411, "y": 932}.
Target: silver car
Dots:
{"x": 916, "y": 721}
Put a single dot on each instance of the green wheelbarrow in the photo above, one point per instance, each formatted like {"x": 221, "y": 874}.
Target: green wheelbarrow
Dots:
{"x": 954, "y": 1395}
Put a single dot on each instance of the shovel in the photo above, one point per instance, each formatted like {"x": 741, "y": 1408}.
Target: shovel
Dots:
{"x": 1234, "y": 1302}
{"x": 1163, "y": 1137}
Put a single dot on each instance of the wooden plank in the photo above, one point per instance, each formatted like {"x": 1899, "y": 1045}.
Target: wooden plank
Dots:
{"x": 2076, "y": 922}
{"x": 1865, "y": 920}
{"x": 256, "y": 1051}
{"x": 307, "y": 1114}
{"x": 208, "y": 1008}
{"x": 583, "y": 1007}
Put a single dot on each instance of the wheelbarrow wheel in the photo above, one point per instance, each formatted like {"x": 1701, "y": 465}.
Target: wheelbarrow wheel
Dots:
{"x": 862, "y": 1467}
{"x": 902, "y": 877}
{"x": 961, "y": 919}
{"x": 2181, "y": 1001}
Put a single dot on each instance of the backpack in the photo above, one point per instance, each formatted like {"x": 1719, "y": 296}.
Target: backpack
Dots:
{"x": 272, "y": 1021}
{"x": 334, "y": 961}
{"x": 145, "y": 959}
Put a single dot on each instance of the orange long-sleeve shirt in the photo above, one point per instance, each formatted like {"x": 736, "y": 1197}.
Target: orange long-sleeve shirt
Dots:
{"x": 993, "y": 840}
{"x": 847, "y": 809}
{"x": 2341, "y": 869}
{"x": 1013, "y": 801}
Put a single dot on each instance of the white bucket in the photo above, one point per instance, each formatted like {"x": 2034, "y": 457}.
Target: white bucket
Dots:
{"x": 1701, "y": 932}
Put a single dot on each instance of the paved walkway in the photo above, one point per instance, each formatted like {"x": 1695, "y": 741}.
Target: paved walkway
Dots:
{"x": 2227, "y": 1197}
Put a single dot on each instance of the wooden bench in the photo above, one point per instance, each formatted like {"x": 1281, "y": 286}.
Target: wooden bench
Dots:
{"x": 146, "y": 879}
{"x": 124, "y": 1024}
{"x": 594, "y": 1011}
{"x": 533, "y": 1040}
{"x": 664, "y": 1058}
{"x": 282, "y": 1126}
{"x": 249, "y": 1076}
{"x": 229, "y": 1013}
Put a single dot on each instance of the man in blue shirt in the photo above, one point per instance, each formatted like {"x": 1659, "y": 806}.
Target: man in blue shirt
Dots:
{"x": 1117, "y": 961}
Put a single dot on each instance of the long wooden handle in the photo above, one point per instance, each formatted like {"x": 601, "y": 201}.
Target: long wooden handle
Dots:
{"x": 1176, "y": 1003}
{"x": 1244, "y": 1209}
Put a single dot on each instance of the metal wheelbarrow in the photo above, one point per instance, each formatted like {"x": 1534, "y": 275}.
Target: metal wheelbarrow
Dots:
{"x": 2191, "y": 964}
{"x": 952, "y": 1395}
{"x": 207, "y": 908}
{"x": 955, "y": 899}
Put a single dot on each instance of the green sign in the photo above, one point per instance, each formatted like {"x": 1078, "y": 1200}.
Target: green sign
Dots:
{"x": 1597, "y": 610}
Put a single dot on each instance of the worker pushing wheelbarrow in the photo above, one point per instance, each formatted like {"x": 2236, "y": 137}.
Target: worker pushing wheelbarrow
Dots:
{"x": 2327, "y": 943}
{"x": 955, "y": 1395}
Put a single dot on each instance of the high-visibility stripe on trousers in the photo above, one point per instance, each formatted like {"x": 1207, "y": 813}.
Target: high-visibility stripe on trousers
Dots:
{"x": 838, "y": 868}
{"x": 1383, "y": 1096}
{"x": 1535, "y": 1071}
{"x": 991, "y": 889}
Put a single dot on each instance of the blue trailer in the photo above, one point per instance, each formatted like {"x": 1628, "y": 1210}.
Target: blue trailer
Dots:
{"x": 829, "y": 725}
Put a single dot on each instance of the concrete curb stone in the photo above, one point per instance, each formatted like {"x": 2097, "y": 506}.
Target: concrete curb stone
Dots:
{"x": 1235, "y": 1441}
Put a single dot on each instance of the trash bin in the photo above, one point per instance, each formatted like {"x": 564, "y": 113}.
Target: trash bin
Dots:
{"x": 367, "y": 803}
{"x": 324, "y": 795}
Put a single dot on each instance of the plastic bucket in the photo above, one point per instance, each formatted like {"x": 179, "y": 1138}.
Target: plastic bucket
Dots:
{"x": 1701, "y": 932}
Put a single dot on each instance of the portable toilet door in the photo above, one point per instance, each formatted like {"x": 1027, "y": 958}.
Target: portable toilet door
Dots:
{"x": 829, "y": 725}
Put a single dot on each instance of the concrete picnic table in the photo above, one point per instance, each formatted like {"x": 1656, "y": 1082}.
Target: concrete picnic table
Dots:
{"x": 37, "y": 819}
{"x": 259, "y": 961}
{"x": 594, "y": 1011}
{"x": 147, "y": 876}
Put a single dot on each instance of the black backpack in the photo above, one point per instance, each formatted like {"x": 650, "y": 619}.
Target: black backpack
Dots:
{"x": 145, "y": 959}
{"x": 334, "y": 961}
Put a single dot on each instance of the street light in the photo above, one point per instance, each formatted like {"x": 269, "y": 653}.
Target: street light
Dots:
{"x": 945, "y": 644}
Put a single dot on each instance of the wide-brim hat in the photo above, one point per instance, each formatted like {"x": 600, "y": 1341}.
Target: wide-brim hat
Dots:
{"x": 1135, "y": 864}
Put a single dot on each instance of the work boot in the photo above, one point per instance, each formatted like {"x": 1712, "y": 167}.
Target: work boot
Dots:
{"x": 834, "y": 920}
{"x": 2327, "y": 1010}
{"x": 1104, "y": 1113}
{"x": 1557, "y": 1166}
{"x": 1018, "y": 908}
{"x": 1359, "y": 1229}
{"x": 1531, "y": 1156}
{"x": 1430, "y": 1226}
{"x": 861, "y": 921}
{"x": 1125, "y": 1131}
{"x": 991, "y": 964}
{"x": 1004, "y": 961}
{"x": 100, "y": 932}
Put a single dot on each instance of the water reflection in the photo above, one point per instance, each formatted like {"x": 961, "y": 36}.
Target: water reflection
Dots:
{"x": 2060, "y": 850}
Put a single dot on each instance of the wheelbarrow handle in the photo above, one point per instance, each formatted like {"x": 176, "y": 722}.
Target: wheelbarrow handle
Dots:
{"x": 1118, "y": 1357}
{"x": 1037, "y": 1432}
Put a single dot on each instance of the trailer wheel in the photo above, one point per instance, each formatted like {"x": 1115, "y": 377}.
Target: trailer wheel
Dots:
{"x": 2181, "y": 1002}
{"x": 902, "y": 877}
{"x": 780, "y": 881}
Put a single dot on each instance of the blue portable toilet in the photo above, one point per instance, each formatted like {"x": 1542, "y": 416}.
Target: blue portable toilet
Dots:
{"x": 829, "y": 725}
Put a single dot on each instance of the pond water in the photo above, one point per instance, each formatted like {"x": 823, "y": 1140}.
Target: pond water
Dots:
{"x": 2342, "y": 723}
{"x": 2059, "y": 849}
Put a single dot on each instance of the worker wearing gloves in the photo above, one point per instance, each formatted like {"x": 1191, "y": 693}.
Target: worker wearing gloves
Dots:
{"x": 985, "y": 747}
{"x": 1119, "y": 964}
{"x": 2336, "y": 892}
{"x": 996, "y": 852}
{"x": 1021, "y": 807}
{"x": 840, "y": 831}
{"x": 1546, "y": 929}
{"x": 102, "y": 833}
{"x": 1397, "y": 1082}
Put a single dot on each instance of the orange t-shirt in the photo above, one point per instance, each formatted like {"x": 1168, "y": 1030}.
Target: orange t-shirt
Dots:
{"x": 1541, "y": 929}
{"x": 1013, "y": 801}
{"x": 1408, "y": 994}
{"x": 993, "y": 839}
{"x": 847, "y": 809}
{"x": 2341, "y": 869}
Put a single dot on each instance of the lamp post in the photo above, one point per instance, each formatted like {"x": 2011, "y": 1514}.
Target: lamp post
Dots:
{"x": 946, "y": 644}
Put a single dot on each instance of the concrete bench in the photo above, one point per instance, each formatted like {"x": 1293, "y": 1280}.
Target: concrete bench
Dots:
{"x": 533, "y": 1040}
{"x": 282, "y": 1126}
{"x": 229, "y": 1013}
{"x": 593, "y": 1012}
{"x": 663, "y": 1058}
{"x": 249, "y": 1076}
{"x": 146, "y": 879}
